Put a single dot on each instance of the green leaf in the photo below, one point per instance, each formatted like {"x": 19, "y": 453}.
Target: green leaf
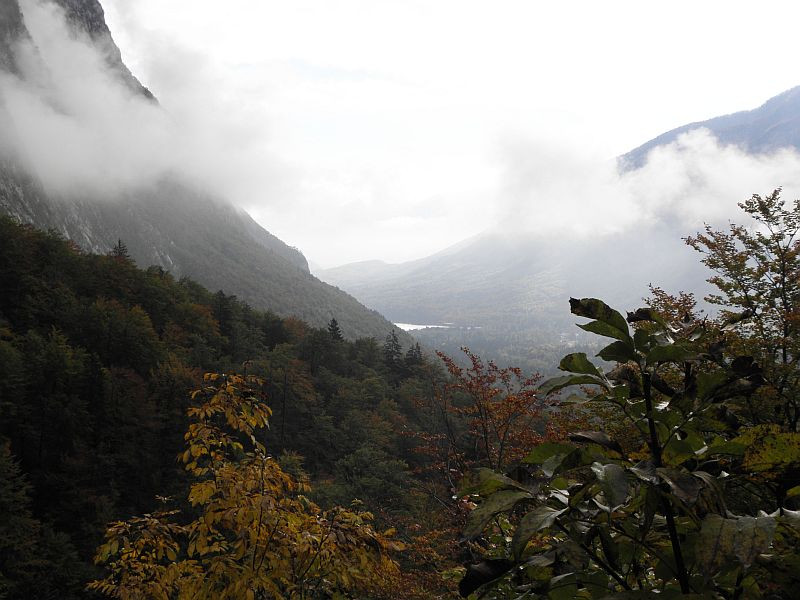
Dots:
{"x": 646, "y": 471}
{"x": 600, "y": 311}
{"x": 709, "y": 383}
{"x": 684, "y": 486}
{"x": 613, "y": 482}
{"x": 484, "y": 572}
{"x": 722, "y": 447}
{"x": 596, "y": 437}
{"x": 722, "y": 539}
{"x": 642, "y": 340}
{"x": 574, "y": 399}
{"x": 557, "y": 383}
{"x": 540, "y": 518}
{"x": 646, "y": 314}
{"x": 542, "y": 452}
{"x": 496, "y": 503}
{"x": 792, "y": 492}
{"x": 607, "y": 330}
{"x": 611, "y": 547}
{"x": 485, "y": 482}
{"x": 671, "y": 353}
{"x": 676, "y": 452}
{"x": 578, "y": 363}
{"x": 769, "y": 449}
{"x": 618, "y": 352}
{"x": 563, "y": 587}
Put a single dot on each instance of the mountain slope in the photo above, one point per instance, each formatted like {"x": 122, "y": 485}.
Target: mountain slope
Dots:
{"x": 515, "y": 288}
{"x": 170, "y": 223}
{"x": 775, "y": 124}
{"x": 501, "y": 282}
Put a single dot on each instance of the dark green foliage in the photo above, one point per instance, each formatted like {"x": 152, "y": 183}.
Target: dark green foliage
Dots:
{"x": 598, "y": 518}
{"x": 35, "y": 562}
{"x": 334, "y": 331}
{"x": 120, "y": 251}
{"x": 96, "y": 361}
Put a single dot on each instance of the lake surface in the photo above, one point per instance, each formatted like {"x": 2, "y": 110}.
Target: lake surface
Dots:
{"x": 414, "y": 327}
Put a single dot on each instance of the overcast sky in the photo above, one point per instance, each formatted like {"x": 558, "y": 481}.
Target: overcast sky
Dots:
{"x": 388, "y": 130}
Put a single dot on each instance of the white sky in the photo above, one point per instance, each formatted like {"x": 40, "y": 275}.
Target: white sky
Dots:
{"x": 381, "y": 129}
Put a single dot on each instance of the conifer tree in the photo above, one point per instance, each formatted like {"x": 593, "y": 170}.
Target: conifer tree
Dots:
{"x": 120, "y": 251}
{"x": 334, "y": 330}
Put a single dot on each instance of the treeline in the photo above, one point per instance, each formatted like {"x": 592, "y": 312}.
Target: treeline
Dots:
{"x": 97, "y": 359}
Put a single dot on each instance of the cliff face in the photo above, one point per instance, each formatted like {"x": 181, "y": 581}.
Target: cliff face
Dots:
{"x": 87, "y": 16}
{"x": 168, "y": 222}
{"x": 12, "y": 28}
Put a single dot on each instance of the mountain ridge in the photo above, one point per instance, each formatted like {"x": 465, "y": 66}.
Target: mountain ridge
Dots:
{"x": 774, "y": 124}
{"x": 169, "y": 223}
{"x": 516, "y": 290}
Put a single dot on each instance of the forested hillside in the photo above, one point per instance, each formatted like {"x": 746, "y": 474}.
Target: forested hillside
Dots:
{"x": 675, "y": 472}
{"x": 97, "y": 359}
{"x": 165, "y": 219}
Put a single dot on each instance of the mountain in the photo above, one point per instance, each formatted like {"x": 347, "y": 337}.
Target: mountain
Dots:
{"x": 506, "y": 295}
{"x": 170, "y": 223}
{"x": 495, "y": 287}
{"x": 775, "y": 124}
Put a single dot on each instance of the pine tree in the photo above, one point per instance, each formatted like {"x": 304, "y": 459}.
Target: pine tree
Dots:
{"x": 414, "y": 355}
{"x": 334, "y": 330}
{"x": 392, "y": 351}
{"x": 120, "y": 251}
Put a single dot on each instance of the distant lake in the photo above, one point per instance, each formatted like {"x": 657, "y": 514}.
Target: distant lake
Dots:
{"x": 413, "y": 327}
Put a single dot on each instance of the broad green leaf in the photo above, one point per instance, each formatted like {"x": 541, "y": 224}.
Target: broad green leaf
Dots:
{"x": 753, "y": 536}
{"x": 722, "y": 539}
{"x": 557, "y": 383}
{"x": 579, "y": 457}
{"x": 578, "y": 363}
{"x": 792, "y": 492}
{"x": 671, "y": 353}
{"x": 563, "y": 587}
{"x": 596, "y": 437}
{"x": 542, "y": 452}
{"x": 618, "y": 352}
{"x": 574, "y": 399}
{"x": 484, "y": 572}
{"x": 496, "y": 503}
{"x": 646, "y": 314}
{"x": 540, "y": 518}
{"x": 769, "y": 449}
{"x": 642, "y": 340}
{"x": 486, "y": 481}
{"x": 684, "y": 485}
{"x": 606, "y": 330}
{"x": 610, "y": 547}
{"x": 646, "y": 471}
{"x": 600, "y": 311}
{"x": 709, "y": 383}
{"x": 676, "y": 452}
{"x": 613, "y": 482}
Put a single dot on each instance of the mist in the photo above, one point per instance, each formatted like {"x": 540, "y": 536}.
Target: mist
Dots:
{"x": 412, "y": 183}
{"x": 552, "y": 191}
{"x": 74, "y": 123}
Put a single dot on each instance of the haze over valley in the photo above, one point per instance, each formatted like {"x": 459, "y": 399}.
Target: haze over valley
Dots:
{"x": 372, "y": 300}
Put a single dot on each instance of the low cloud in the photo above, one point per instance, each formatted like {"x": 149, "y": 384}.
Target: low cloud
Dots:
{"x": 552, "y": 191}
{"x": 342, "y": 169}
{"x": 80, "y": 129}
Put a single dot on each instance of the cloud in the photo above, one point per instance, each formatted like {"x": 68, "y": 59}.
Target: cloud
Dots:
{"x": 75, "y": 124}
{"x": 347, "y": 163}
{"x": 561, "y": 190}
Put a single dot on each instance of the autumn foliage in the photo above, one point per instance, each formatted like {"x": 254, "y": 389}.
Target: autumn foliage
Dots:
{"x": 253, "y": 533}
